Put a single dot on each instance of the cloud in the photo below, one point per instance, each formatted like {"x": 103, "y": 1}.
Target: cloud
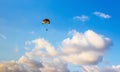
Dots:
{"x": 32, "y": 32}
{"x": 42, "y": 44}
{"x": 31, "y": 64}
{"x": 48, "y": 56}
{"x": 99, "y": 69}
{"x": 102, "y": 15}
{"x": 3, "y": 36}
{"x": 86, "y": 48}
{"x": 12, "y": 66}
{"x": 16, "y": 49}
{"x": 82, "y": 18}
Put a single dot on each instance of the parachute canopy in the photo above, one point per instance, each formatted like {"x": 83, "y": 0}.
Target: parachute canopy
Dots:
{"x": 46, "y": 21}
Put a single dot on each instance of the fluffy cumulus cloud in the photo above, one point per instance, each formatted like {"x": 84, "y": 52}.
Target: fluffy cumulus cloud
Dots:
{"x": 82, "y": 18}
{"x": 47, "y": 54}
{"x": 12, "y": 66}
{"x": 102, "y": 15}
{"x": 86, "y": 48}
{"x": 99, "y": 69}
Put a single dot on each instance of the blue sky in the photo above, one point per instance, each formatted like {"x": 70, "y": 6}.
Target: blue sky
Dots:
{"x": 20, "y": 21}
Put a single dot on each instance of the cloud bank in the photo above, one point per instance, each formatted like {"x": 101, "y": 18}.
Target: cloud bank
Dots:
{"x": 86, "y": 48}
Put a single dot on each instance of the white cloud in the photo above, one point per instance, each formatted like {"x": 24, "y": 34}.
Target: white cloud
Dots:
{"x": 82, "y": 18}
{"x": 43, "y": 44}
{"x": 82, "y": 48}
{"x": 3, "y": 36}
{"x": 32, "y": 32}
{"x": 16, "y": 49}
{"x": 12, "y": 66}
{"x": 27, "y": 48}
{"x": 100, "y": 69}
{"x": 102, "y": 15}
{"x": 47, "y": 54}
{"x": 32, "y": 64}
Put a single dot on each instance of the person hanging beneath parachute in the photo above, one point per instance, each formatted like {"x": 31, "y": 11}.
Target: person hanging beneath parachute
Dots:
{"x": 46, "y": 21}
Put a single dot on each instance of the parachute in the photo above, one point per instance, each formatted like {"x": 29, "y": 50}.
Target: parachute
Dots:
{"x": 46, "y": 21}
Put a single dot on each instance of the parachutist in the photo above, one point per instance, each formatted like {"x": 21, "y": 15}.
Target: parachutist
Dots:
{"x": 46, "y": 22}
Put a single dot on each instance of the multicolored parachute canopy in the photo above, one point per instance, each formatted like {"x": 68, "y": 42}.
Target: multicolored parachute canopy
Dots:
{"x": 46, "y": 21}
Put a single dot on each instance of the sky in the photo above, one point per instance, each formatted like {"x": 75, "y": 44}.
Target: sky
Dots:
{"x": 83, "y": 36}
